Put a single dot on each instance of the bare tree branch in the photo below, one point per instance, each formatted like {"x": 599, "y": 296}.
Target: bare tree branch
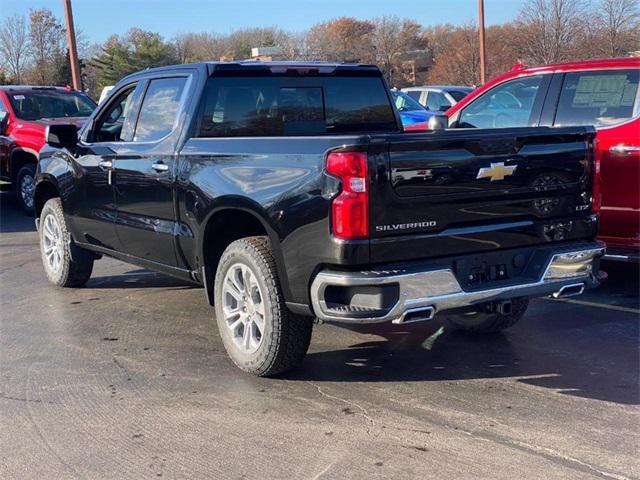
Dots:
{"x": 14, "y": 45}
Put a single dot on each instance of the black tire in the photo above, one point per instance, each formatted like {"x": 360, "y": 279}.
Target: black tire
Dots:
{"x": 75, "y": 264}
{"x": 26, "y": 174}
{"x": 285, "y": 337}
{"x": 485, "y": 321}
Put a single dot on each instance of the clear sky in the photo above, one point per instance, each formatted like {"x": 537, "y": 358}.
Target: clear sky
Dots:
{"x": 100, "y": 18}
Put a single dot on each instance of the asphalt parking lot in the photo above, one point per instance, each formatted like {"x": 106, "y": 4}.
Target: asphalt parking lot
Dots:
{"x": 127, "y": 378}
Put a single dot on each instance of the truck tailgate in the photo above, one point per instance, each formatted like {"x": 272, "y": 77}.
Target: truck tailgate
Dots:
{"x": 455, "y": 191}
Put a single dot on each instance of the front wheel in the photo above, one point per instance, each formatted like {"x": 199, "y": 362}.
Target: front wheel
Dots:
{"x": 258, "y": 331}
{"x": 486, "y": 320}
{"x": 25, "y": 183}
{"x": 65, "y": 264}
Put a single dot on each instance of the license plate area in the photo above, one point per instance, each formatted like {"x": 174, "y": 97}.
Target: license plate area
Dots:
{"x": 481, "y": 271}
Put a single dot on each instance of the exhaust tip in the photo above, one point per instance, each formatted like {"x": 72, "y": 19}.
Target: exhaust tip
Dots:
{"x": 414, "y": 315}
{"x": 569, "y": 290}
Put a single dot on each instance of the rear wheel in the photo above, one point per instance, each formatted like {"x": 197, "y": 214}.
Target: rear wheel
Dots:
{"x": 259, "y": 333}
{"x": 487, "y": 320}
{"x": 25, "y": 186}
{"x": 65, "y": 264}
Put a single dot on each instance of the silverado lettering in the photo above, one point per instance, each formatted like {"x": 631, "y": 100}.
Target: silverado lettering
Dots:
{"x": 405, "y": 226}
{"x": 289, "y": 191}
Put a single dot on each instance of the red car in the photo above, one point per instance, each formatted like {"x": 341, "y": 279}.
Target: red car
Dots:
{"x": 25, "y": 113}
{"x": 602, "y": 93}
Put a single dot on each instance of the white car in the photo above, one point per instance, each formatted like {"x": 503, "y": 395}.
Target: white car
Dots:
{"x": 438, "y": 98}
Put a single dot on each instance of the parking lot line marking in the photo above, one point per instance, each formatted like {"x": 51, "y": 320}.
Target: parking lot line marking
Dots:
{"x": 594, "y": 304}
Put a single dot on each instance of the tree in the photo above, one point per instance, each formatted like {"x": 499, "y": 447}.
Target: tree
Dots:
{"x": 46, "y": 35}
{"x": 459, "y": 62}
{"x": 344, "y": 39}
{"x": 139, "y": 49}
{"x": 438, "y": 38}
{"x": 551, "y": 30}
{"x": 617, "y": 28}
{"x": 197, "y": 47}
{"x": 14, "y": 45}
{"x": 240, "y": 42}
{"x": 391, "y": 38}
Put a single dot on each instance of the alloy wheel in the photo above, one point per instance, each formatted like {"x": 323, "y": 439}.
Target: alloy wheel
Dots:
{"x": 26, "y": 190}
{"x": 53, "y": 243}
{"x": 243, "y": 308}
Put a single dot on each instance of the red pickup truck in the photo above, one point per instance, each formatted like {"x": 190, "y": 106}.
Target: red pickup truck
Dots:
{"x": 602, "y": 93}
{"x": 25, "y": 113}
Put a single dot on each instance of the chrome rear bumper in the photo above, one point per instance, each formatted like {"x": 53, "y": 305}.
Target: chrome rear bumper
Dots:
{"x": 566, "y": 273}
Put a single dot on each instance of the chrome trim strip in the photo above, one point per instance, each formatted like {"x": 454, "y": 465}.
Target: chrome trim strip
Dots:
{"x": 440, "y": 289}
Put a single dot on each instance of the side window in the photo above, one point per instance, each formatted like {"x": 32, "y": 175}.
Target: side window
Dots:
{"x": 159, "y": 109}
{"x": 109, "y": 125}
{"x": 415, "y": 94}
{"x": 458, "y": 95}
{"x": 598, "y": 98}
{"x": 510, "y": 104}
{"x": 437, "y": 101}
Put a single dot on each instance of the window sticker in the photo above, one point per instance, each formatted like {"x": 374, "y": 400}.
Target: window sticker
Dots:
{"x": 18, "y": 97}
{"x": 601, "y": 91}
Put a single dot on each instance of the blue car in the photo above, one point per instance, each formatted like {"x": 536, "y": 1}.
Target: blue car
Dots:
{"x": 413, "y": 115}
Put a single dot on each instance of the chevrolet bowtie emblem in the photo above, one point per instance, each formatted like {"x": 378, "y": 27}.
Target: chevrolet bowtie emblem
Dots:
{"x": 497, "y": 171}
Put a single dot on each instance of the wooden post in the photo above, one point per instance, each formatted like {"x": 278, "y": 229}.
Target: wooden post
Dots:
{"x": 483, "y": 50}
{"x": 71, "y": 41}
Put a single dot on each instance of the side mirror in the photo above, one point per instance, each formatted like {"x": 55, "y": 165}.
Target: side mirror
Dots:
{"x": 4, "y": 122}
{"x": 62, "y": 136}
{"x": 438, "y": 122}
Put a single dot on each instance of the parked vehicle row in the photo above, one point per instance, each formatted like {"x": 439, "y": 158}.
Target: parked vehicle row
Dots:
{"x": 290, "y": 191}
{"x": 25, "y": 114}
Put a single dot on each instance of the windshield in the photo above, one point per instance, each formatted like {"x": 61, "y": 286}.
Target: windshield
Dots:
{"x": 53, "y": 104}
{"x": 404, "y": 103}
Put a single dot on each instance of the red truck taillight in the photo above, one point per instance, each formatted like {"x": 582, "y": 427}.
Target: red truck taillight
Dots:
{"x": 350, "y": 209}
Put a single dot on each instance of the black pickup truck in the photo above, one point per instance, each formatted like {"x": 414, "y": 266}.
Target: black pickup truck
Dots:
{"x": 289, "y": 191}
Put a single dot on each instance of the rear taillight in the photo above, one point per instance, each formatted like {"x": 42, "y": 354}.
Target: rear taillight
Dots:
{"x": 350, "y": 209}
{"x": 596, "y": 191}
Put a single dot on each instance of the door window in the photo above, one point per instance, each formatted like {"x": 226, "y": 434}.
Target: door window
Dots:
{"x": 437, "y": 101}
{"x": 159, "y": 110}
{"x": 415, "y": 94}
{"x": 110, "y": 125}
{"x": 510, "y": 104}
{"x": 598, "y": 98}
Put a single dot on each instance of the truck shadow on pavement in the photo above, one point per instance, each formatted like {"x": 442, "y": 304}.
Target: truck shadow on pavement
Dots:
{"x": 590, "y": 366}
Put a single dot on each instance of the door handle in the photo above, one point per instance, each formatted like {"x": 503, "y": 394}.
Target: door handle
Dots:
{"x": 106, "y": 164}
{"x": 624, "y": 149}
{"x": 160, "y": 167}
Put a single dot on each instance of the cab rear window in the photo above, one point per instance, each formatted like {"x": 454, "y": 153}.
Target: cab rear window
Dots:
{"x": 274, "y": 106}
{"x": 598, "y": 98}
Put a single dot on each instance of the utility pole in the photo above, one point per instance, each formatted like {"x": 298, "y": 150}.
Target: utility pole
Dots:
{"x": 71, "y": 41}
{"x": 483, "y": 49}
